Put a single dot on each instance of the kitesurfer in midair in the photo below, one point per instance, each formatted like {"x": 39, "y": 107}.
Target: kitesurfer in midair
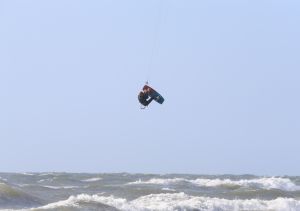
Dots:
{"x": 144, "y": 95}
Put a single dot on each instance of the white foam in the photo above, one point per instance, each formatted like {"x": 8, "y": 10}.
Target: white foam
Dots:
{"x": 45, "y": 180}
{"x": 74, "y": 202}
{"x": 3, "y": 179}
{"x": 159, "y": 181}
{"x": 47, "y": 174}
{"x": 181, "y": 201}
{"x": 95, "y": 179}
{"x": 168, "y": 189}
{"x": 177, "y": 201}
{"x": 262, "y": 183}
{"x": 60, "y": 187}
{"x": 28, "y": 174}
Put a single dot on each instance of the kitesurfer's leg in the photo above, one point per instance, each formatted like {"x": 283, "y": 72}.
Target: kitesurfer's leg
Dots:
{"x": 145, "y": 103}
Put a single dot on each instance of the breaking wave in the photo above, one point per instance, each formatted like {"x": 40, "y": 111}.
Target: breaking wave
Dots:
{"x": 94, "y": 179}
{"x": 2, "y": 179}
{"x": 268, "y": 183}
{"x": 45, "y": 180}
{"x": 168, "y": 189}
{"x": 60, "y": 187}
{"x": 159, "y": 181}
{"x": 172, "y": 201}
{"x": 28, "y": 174}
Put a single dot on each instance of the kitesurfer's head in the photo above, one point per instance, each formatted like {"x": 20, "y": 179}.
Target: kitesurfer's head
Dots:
{"x": 141, "y": 96}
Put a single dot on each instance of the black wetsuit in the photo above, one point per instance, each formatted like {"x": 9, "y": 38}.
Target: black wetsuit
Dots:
{"x": 143, "y": 99}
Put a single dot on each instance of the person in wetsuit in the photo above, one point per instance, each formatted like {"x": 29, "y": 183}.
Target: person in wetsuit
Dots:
{"x": 143, "y": 97}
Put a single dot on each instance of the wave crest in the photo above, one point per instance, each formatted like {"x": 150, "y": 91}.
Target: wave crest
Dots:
{"x": 94, "y": 179}
{"x": 262, "y": 183}
{"x": 174, "y": 201}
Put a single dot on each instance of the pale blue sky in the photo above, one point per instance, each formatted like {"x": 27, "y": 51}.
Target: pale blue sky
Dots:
{"x": 70, "y": 72}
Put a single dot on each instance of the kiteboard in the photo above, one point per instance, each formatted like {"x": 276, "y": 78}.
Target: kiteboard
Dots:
{"x": 154, "y": 94}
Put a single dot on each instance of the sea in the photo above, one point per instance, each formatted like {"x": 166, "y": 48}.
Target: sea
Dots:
{"x": 144, "y": 192}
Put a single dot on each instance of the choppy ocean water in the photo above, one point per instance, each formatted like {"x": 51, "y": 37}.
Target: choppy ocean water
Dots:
{"x": 69, "y": 191}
